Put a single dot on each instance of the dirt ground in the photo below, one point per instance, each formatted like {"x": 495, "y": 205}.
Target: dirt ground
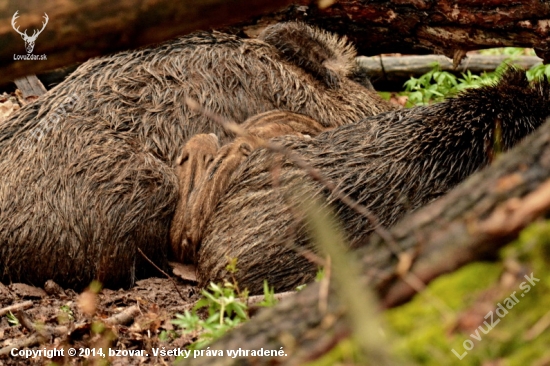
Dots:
{"x": 122, "y": 320}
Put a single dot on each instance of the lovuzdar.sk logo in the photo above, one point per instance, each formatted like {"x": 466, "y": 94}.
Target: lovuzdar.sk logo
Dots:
{"x": 29, "y": 40}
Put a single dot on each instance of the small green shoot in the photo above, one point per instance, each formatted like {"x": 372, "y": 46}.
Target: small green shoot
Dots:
{"x": 269, "y": 296}
{"x": 225, "y": 309}
{"x": 320, "y": 275}
{"x": 12, "y": 319}
{"x": 66, "y": 313}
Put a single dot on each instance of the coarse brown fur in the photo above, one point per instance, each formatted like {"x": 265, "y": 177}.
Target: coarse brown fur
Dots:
{"x": 391, "y": 163}
{"x": 329, "y": 60}
{"x": 86, "y": 169}
{"x": 205, "y": 172}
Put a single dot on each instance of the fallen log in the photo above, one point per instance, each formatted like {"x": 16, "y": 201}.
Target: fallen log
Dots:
{"x": 88, "y": 28}
{"x": 389, "y": 73}
{"x": 77, "y": 31}
{"x": 418, "y": 27}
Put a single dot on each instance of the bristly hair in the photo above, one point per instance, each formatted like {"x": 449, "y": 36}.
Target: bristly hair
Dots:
{"x": 326, "y": 56}
{"x": 391, "y": 163}
{"x": 506, "y": 101}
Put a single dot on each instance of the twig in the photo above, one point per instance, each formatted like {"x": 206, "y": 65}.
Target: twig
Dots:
{"x": 161, "y": 271}
{"x": 31, "y": 341}
{"x": 324, "y": 287}
{"x": 125, "y": 317}
{"x": 15, "y": 307}
{"x": 44, "y": 332}
{"x": 35, "y": 339}
{"x": 25, "y": 320}
{"x": 540, "y": 326}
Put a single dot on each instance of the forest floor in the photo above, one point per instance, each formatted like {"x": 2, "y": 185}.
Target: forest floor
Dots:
{"x": 138, "y": 319}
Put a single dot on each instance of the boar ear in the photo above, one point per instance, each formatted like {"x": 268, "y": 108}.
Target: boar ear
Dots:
{"x": 245, "y": 148}
{"x": 325, "y": 56}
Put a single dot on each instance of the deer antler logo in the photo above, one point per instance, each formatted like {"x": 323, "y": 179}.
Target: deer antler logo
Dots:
{"x": 29, "y": 41}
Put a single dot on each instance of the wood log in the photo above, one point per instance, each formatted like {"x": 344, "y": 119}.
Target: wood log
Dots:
{"x": 79, "y": 30}
{"x": 389, "y": 73}
{"x": 418, "y": 26}
{"x": 468, "y": 224}
{"x": 30, "y": 86}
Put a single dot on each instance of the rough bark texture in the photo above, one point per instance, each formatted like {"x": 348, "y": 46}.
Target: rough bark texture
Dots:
{"x": 78, "y": 30}
{"x": 470, "y": 223}
{"x": 421, "y": 26}
{"x": 389, "y": 73}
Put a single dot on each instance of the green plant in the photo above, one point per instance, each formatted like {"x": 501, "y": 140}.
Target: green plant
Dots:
{"x": 431, "y": 87}
{"x": 538, "y": 71}
{"x": 66, "y": 313}
{"x": 166, "y": 336}
{"x": 226, "y": 308}
{"x": 269, "y": 296}
{"x": 436, "y": 85}
{"x": 225, "y": 311}
{"x": 508, "y": 51}
{"x": 12, "y": 319}
{"x": 320, "y": 274}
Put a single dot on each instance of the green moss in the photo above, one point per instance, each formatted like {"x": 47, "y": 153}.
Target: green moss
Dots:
{"x": 424, "y": 328}
{"x": 424, "y": 324}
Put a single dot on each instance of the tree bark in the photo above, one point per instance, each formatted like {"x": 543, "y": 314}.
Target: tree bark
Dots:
{"x": 389, "y": 73}
{"x": 470, "y": 223}
{"x": 420, "y": 26}
{"x": 88, "y": 28}
{"x": 79, "y": 30}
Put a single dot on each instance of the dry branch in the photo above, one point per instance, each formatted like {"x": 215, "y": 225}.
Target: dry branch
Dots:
{"x": 125, "y": 317}
{"x": 470, "y": 223}
{"x": 15, "y": 307}
{"x": 390, "y": 72}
